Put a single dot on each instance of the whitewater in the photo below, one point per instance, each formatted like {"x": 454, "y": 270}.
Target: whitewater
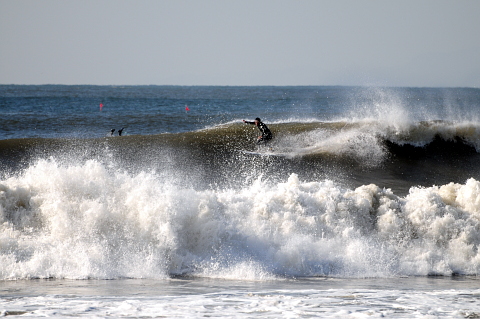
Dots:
{"x": 86, "y": 221}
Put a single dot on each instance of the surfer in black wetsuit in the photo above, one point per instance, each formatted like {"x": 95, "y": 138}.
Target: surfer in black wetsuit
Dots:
{"x": 266, "y": 134}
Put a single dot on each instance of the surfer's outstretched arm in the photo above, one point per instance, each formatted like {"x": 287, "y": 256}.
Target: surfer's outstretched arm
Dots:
{"x": 248, "y": 122}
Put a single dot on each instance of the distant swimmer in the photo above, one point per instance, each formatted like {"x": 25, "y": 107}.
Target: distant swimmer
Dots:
{"x": 112, "y": 131}
{"x": 120, "y": 131}
{"x": 266, "y": 134}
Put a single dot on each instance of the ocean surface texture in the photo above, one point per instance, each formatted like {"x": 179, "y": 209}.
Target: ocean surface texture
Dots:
{"x": 365, "y": 204}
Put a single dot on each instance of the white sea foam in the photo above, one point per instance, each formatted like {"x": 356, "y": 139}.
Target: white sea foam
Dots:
{"x": 91, "y": 221}
{"x": 325, "y": 298}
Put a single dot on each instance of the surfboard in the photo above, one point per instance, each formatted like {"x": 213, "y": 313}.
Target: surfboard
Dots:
{"x": 263, "y": 153}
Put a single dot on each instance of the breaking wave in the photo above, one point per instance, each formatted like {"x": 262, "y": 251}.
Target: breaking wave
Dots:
{"x": 92, "y": 220}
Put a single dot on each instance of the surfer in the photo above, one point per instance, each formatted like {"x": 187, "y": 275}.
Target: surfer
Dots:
{"x": 112, "y": 131}
{"x": 266, "y": 134}
{"x": 120, "y": 131}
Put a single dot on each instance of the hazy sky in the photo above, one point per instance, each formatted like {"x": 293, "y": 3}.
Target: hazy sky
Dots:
{"x": 258, "y": 42}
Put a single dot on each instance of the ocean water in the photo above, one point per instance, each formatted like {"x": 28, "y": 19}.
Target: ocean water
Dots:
{"x": 365, "y": 204}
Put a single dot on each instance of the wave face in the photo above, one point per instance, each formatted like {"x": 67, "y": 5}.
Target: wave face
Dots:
{"x": 93, "y": 221}
{"x": 351, "y": 153}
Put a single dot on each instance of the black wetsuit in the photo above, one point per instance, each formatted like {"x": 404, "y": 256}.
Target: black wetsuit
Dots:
{"x": 266, "y": 134}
